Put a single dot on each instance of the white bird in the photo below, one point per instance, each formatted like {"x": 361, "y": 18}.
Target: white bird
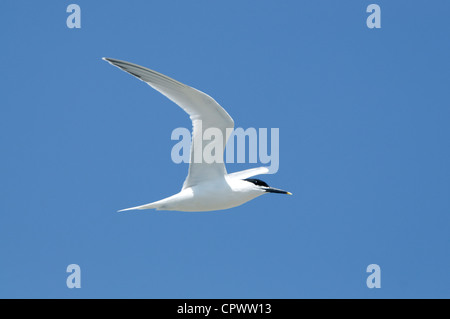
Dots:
{"x": 208, "y": 186}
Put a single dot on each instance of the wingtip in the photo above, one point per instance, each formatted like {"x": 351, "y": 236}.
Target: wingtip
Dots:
{"x": 111, "y": 60}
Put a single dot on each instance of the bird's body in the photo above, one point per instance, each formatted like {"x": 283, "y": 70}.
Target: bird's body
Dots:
{"x": 217, "y": 194}
{"x": 208, "y": 186}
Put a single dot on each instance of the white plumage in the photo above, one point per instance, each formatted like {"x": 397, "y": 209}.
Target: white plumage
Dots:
{"x": 207, "y": 186}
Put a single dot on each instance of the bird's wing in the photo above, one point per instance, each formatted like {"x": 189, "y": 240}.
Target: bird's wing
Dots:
{"x": 249, "y": 172}
{"x": 203, "y": 110}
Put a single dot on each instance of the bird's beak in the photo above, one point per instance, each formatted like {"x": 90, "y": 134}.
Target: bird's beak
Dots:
{"x": 276, "y": 190}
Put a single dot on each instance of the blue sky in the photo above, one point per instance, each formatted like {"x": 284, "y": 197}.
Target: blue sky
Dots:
{"x": 364, "y": 146}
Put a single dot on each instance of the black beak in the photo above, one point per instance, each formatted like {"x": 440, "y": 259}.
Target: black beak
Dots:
{"x": 276, "y": 190}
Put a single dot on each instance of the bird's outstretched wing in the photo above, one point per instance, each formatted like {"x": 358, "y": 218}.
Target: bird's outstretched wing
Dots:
{"x": 249, "y": 172}
{"x": 203, "y": 110}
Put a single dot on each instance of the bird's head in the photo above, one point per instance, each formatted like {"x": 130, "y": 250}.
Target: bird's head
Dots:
{"x": 261, "y": 185}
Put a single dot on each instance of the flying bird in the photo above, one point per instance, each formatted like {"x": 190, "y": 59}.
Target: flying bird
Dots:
{"x": 208, "y": 186}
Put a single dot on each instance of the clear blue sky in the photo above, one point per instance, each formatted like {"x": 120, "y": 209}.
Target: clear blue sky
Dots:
{"x": 364, "y": 146}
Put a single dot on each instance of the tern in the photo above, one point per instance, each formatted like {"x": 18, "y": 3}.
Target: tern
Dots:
{"x": 208, "y": 186}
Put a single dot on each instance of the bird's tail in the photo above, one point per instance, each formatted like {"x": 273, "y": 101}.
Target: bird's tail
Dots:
{"x": 146, "y": 206}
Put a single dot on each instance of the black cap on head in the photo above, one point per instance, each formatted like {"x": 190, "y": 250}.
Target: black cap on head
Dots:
{"x": 257, "y": 182}
{"x": 266, "y": 187}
